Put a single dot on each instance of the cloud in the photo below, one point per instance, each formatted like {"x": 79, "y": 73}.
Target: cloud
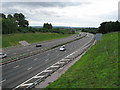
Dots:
{"x": 42, "y": 4}
{"x": 80, "y": 13}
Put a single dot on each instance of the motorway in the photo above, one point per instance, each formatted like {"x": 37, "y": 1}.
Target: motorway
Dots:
{"x": 15, "y": 51}
{"x": 17, "y": 72}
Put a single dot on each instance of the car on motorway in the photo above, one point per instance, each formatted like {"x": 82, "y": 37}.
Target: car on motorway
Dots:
{"x": 2, "y": 55}
{"x": 38, "y": 45}
{"x": 62, "y": 48}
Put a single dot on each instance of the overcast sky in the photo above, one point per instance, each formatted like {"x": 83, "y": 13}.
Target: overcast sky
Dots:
{"x": 77, "y": 13}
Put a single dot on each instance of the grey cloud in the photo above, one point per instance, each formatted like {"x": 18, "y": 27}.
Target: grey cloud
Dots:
{"x": 42, "y": 4}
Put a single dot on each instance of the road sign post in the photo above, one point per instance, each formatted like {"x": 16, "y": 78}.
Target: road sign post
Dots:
{"x": 99, "y": 37}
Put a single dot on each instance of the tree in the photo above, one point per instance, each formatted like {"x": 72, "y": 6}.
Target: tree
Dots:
{"x": 47, "y": 26}
{"x": 102, "y": 27}
{"x": 9, "y": 16}
{"x": 20, "y": 19}
{"x": 9, "y": 26}
{"x": 2, "y": 15}
{"x": 106, "y": 27}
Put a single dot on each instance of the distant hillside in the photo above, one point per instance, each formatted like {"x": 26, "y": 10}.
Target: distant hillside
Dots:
{"x": 61, "y": 27}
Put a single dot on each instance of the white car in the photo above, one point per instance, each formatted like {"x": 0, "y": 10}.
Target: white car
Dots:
{"x": 2, "y": 55}
{"x": 62, "y": 49}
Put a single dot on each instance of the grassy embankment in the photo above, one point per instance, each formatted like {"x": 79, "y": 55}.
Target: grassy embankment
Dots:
{"x": 13, "y": 39}
{"x": 98, "y": 68}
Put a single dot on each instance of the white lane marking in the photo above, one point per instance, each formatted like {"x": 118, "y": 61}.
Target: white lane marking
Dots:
{"x": 3, "y": 81}
{"x": 38, "y": 76}
{"x": 60, "y": 62}
{"x": 54, "y": 66}
{"x": 48, "y": 54}
{"x": 46, "y": 59}
{"x": 35, "y": 59}
{"x": 16, "y": 66}
{"x": 65, "y": 60}
{"x": 28, "y": 84}
{"x": 29, "y": 68}
{"x": 47, "y": 70}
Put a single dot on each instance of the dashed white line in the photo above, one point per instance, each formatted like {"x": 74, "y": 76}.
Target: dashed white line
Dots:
{"x": 35, "y": 59}
{"x": 29, "y": 68}
{"x": 48, "y": 54}
{"x": 46, "y": 59}
{"x": 3, "y": 81}
{"x": 16, "y": 66}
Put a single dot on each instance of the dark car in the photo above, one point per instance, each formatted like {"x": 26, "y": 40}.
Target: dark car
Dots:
{"x": 38, "y": 45}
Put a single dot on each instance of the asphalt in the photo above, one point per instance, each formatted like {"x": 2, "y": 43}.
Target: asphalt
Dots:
{"x": 17, "y": 72}
{"x": 15, "y": 51}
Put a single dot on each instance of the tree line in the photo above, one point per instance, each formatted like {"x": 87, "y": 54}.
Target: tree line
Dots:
{"x": 17, "y": 23}
{"x": 110, "y": 26}
{"x": 90, "y": 30}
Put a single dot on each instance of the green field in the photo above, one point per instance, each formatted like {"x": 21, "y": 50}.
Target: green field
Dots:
{"x": 98, "y": 68}
{"x": 13, "y": 39}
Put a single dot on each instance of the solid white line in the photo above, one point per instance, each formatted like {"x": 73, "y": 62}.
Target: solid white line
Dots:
{"x": 29, "y": 68}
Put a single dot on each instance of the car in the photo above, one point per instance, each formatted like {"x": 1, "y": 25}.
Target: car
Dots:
{"x": 62, "y": 49}
{"x": 38, "y": 45}
{"x": 2, "y": 55}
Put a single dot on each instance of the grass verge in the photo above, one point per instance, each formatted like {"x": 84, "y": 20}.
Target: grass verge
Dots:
{"x": 13, "y": 39}
{"x": 98, "y": 68}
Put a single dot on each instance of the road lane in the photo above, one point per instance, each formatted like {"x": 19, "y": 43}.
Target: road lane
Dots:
{"x": 45, "y": 45}
{"x": 20, "y": 74}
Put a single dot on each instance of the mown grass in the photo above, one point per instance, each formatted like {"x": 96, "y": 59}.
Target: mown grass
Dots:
{"x": 13, "y": 39}
{"x": 98, "y": 68}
